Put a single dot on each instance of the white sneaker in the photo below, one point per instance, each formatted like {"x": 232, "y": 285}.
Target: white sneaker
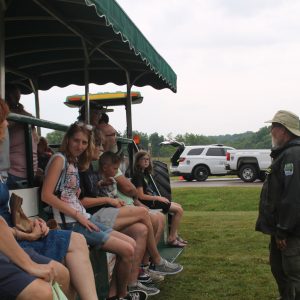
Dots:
{"x": 154, "y": 276}
{"x": 166, "y": 268}
{"x": 149, "y": 290}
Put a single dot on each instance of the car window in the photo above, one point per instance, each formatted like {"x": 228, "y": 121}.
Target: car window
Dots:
{"x": 215, "y": 152}
{"x": 195, "y": 151}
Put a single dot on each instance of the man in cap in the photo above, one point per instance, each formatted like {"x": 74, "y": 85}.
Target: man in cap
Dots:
{"x": 279, "y": 209}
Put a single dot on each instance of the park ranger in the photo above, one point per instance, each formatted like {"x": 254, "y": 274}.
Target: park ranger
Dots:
{"x": 279, "y": 209}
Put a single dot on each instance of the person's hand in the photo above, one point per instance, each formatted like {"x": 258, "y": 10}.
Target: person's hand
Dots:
{"x": 281, "y": 244}
{"x": 163, "y": 199}
{"x": 121, "y": 202}
{"x": 86, "y": 223}
{"x": 36, "y": 233}
{"x": 105, "y": 182}
{"x": 45, "y": 229}
{"x": 115, "y": 202}
{"x": 43, "y": 271}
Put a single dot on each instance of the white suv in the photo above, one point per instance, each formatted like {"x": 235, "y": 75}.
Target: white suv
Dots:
{"x": 198, "y": 162}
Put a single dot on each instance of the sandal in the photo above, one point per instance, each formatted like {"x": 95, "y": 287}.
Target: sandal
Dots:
{"x": 176, "y": 244}
{"x": 181, "y": 240}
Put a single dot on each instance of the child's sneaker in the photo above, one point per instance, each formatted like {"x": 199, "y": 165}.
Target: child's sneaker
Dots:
{"x": 144, "y": 277}
{"x": 136, "y": 295}
{"x": 149, "y": 290}
{"x": 165, "y": 268}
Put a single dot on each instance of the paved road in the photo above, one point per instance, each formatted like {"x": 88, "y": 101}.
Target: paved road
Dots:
{"x": 214, "y": 182}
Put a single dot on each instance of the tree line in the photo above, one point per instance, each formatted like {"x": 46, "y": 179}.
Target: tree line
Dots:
{"x": 247, "y": 140}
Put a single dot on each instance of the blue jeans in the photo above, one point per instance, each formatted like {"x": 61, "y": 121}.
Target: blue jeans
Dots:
{"x": 4, "y": 198}
{"x": 15, "y": 182}
{"x": 94, "y": 238}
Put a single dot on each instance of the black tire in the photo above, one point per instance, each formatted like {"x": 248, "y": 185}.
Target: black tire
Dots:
{"x": 248, "y": 173}
{"x": 188, "y": 177}
{"x": 201, "y": 173}
{"x": 162, "y": 178}
{"x": 262, "y": 176}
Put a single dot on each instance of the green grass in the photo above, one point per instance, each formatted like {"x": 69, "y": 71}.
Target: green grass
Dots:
{"x": 225, "y": 258}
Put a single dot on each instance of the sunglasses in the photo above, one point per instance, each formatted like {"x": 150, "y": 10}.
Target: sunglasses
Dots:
{"x": 84, "y": 125}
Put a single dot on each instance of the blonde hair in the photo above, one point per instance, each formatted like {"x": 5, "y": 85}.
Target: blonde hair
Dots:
{"x": 85, "y": 158}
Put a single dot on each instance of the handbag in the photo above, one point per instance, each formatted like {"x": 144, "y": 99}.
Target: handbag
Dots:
{"x": 20, "y": 220}
{"x": 58, "y": 294}
{"x": 18, "y": 217}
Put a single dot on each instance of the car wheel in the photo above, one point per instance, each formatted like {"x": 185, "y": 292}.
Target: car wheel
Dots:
{"x": 201, "y": 173}
{"x": 188, "y": 177}
{"x": 248, "y": 173}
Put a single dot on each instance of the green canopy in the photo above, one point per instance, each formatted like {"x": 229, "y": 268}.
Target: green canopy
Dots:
{"x": 50, "y": 43}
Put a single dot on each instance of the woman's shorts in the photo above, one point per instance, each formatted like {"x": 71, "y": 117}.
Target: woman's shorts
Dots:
{"x": 13, "y": 280}
{"x": 55, "y": 245}
{"x": 157, "y": 205}
{"x": 107, "y": 216}
{"x": 94, "y": 238}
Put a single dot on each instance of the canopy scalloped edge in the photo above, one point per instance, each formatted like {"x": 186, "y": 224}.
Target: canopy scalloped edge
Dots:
{"x": 104, "y": 8}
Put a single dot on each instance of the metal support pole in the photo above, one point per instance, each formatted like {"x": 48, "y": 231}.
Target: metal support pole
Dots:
{"x": 29, "y": 154}
{"x": 86, "y": 92}
{"x": 86, "y": 82}
{"x": 2, "y": 50}
{"x": 128, "y": 107}
{"x": 37, "y": 103}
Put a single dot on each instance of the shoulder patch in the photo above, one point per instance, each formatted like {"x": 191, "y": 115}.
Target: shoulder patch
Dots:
{"x": 288, "y": 169}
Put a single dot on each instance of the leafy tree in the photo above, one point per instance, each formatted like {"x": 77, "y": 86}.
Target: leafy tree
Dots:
{"x": 55, "y": 137}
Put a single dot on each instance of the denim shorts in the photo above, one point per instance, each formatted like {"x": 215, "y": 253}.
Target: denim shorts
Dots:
{"x": 13, "y": 279}
{"x": 94, "y": 238}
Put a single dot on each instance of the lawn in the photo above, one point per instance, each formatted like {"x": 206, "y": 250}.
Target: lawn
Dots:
{"x": 225, "y": 258}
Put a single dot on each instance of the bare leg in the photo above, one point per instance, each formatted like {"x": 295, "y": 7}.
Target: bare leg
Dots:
{"x": 79, "y": 265}
{"x": 39, "y": 290}
{"x": 139, "y": 233}
{"x": 63, "y": 278}
{"x": 177, "y": 210}
{"x": 132, "y": 214}
{"x": 158, "y": 222}
{"x": 124, "y": 247}
{"x": 127, "y": 216}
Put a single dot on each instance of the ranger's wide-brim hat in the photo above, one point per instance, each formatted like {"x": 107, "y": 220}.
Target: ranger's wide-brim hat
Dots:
{"x": 288, "y": 119}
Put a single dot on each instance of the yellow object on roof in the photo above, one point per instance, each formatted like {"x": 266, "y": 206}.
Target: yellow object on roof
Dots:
{"x": 105, "y": 99}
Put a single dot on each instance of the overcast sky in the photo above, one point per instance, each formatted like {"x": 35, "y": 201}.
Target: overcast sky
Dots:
{"x": 237, "y": 63}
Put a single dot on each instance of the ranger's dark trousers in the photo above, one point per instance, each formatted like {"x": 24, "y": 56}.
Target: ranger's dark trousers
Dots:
{"x": 285, "y": 267}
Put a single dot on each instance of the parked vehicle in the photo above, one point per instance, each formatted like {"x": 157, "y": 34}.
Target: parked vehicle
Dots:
{"x": 198, "y": 162}
{"x": 250, "y": 164}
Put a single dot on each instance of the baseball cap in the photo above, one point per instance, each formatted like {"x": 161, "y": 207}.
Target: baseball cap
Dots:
{"x": 288, "y": 119}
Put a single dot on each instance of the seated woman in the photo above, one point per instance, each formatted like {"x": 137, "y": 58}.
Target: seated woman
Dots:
{"x": 142, "y": 170}
{"x": 58, "y": 245}
{"x": 61, "y": 191}
{"x": 25, "y": 274}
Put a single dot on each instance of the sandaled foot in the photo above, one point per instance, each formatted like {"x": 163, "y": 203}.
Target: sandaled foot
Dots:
{"x": 181, "y": 240}
{"x": 176, "y": 244}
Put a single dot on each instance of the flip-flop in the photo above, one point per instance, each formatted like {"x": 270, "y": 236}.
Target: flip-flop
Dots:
{"x": 176, "y": 244}
{"x": 181, "y": 240}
